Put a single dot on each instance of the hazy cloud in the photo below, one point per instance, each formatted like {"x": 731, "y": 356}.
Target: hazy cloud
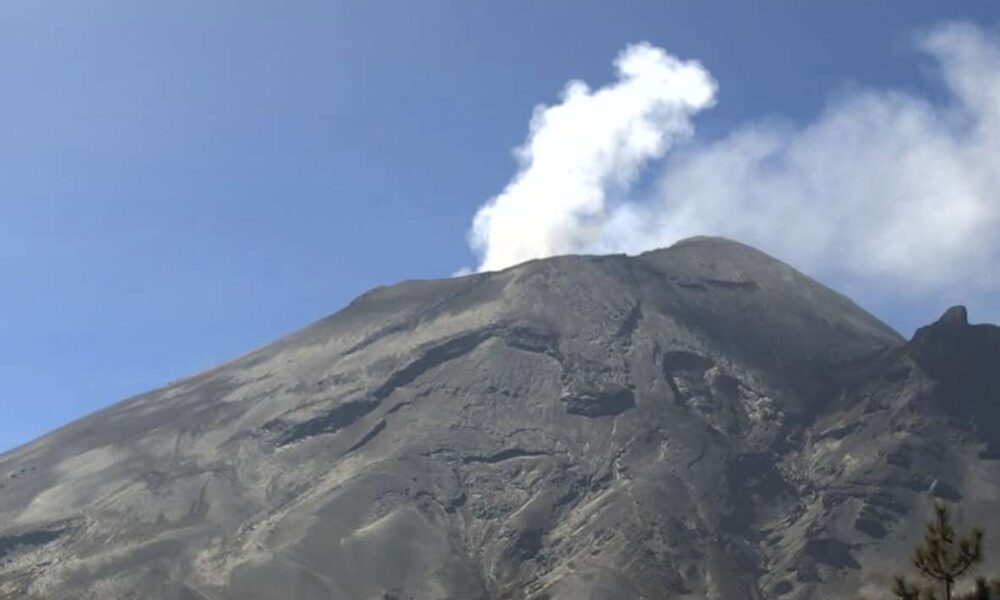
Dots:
{"x": 884, "y": 189}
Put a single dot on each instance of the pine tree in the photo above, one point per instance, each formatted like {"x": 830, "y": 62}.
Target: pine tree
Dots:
{"x": 944, "y": 558}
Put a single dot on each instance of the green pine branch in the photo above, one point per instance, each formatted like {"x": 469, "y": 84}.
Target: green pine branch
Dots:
{"x": 944, "y": 558}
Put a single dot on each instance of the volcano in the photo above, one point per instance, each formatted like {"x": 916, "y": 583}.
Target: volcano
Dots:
{"x": 701, "y": 421}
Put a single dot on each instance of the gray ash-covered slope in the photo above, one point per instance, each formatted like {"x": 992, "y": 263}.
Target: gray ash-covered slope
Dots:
{"x": 696, "y": 422}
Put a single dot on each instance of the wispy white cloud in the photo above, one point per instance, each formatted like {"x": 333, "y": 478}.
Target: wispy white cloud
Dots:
{"x": 885, "y": 190}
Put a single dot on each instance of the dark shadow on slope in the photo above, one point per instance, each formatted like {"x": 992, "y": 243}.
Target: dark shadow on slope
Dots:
{"x": 12, "y": 543}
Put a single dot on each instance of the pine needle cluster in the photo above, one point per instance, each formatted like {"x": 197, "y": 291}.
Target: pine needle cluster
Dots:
{"x": 943, "y": 558}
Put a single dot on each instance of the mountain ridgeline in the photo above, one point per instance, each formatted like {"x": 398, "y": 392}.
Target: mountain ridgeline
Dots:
{"x": 696, "y": 422}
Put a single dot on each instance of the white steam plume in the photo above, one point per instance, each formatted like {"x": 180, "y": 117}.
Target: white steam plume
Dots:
{"x": 885, "y": 191}
{"x": 581, "y": 150}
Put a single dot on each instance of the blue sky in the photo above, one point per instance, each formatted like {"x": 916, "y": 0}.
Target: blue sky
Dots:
{"x": 183, "y": 181}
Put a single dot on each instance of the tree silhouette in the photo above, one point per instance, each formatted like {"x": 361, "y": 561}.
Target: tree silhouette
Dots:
{"x": 944, "y": 558}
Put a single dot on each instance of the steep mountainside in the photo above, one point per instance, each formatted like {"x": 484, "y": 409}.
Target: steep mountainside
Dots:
{"x": 696, "y": 422}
